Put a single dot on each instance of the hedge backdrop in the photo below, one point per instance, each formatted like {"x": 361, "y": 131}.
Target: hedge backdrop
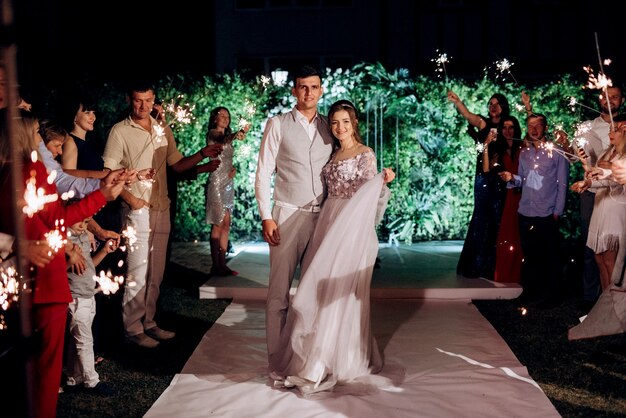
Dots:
{"x": 407, "y": 120}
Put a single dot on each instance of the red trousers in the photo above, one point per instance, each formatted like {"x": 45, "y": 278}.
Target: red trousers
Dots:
{"x": 49, "y": 322}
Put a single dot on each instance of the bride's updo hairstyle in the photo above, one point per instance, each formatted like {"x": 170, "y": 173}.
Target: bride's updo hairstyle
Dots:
{"x": 354, "y": 117}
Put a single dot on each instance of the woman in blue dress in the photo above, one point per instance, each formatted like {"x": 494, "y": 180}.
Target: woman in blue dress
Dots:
{"x": 478, "y": 257}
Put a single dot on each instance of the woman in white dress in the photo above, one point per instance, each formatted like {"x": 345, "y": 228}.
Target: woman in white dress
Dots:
{"x": 327, "y": 338}
{"x": 608, "y": 315}
{"x": 609, "y": 210}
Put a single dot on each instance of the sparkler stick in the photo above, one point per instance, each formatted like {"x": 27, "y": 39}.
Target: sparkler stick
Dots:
{"x": 606, "y": 90}
{"x": 572, "y": 102}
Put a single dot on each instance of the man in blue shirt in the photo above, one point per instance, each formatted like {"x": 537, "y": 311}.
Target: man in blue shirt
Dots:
{"x": 543, "y": 175}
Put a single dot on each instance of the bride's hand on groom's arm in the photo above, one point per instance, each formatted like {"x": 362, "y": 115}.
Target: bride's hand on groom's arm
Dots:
{"x": 270, "y": 232}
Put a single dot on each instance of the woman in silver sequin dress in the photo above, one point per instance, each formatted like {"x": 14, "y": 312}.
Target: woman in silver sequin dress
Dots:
{"x": 219, "y": 190}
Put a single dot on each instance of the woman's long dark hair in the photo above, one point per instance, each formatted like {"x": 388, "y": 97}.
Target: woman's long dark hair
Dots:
{"x": 213, "y": 120}
{"x": 504, "y": 104}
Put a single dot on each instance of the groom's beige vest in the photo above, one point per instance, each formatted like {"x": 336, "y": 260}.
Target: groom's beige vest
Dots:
{"x": 298, "y": 180}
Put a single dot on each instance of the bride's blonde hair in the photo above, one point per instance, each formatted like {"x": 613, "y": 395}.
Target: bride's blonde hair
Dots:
{"x": 24, "y": 130}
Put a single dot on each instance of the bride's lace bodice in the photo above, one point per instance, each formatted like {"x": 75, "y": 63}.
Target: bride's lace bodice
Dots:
{"x": 344, "y": 177}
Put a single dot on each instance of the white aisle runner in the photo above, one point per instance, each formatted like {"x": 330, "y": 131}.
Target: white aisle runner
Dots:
{"x": 444, "y": 356}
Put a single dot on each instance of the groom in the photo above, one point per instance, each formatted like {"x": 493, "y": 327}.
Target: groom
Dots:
{"x": 295, "y": 147}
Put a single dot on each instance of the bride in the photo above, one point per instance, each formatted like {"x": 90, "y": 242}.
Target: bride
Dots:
{"x": 327, "y": 339}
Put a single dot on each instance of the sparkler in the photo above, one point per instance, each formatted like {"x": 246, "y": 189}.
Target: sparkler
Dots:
{"x": 519, "y": 107}
{"x": 600, "y": 82}
{"x": 573, "y": 102}
{"x": 67, "y": 195}
{"x": 36, "y": 198}
{"x": 9, "y": 287}
{"x": 550, "y": 147}
{"x": 131, "y": 235}
{"x": 580, "y": 141}
{"x": 108, "y": 283}
{"x": 182, "y": 113}
{"x": 440, "y": 63}
{"x": 606, "y": 90}
{"x": 505, "y": 65}
{"x": 55, "y": 238}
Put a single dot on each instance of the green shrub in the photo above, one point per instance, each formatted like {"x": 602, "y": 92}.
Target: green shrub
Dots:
{"x": 408, "y": 121}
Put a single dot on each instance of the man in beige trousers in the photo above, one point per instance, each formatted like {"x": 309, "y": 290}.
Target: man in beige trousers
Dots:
{"x": 295, "y": 147}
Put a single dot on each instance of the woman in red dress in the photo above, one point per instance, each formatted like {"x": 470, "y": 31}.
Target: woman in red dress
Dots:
{"x": 508, "y": 247}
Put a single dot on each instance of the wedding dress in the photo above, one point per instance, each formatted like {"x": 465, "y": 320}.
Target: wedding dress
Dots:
{"x": 327, "y": 340}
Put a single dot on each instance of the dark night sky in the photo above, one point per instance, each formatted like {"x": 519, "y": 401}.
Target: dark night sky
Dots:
{"x": 111, "y": 40}
{"x": 60, "y": 40}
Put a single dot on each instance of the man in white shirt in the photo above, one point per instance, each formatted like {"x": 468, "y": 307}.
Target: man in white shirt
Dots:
{"x": 295, "y": 147}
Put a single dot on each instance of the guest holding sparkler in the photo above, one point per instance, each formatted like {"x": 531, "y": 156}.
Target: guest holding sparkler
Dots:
{"x": 141, "y": 141}
{"x": 508, "y": 249}
{"x": 543, "y": 177}
{"x": 76, "y": 111}
{"x": 219, "y": 190}
{"x": 608, "y": 314}
{"x": 478, "y": 257}
{"x": 608, "y": 219}
{"x": 82, "y": 311}
{"x": 51, "y": 292}
{"x": 594, "y": 140}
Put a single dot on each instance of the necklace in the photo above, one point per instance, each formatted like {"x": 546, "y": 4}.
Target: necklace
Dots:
{"x": 354, "y": 144}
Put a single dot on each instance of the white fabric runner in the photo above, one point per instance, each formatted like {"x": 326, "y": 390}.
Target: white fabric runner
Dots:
{"x": 444, "y": 356}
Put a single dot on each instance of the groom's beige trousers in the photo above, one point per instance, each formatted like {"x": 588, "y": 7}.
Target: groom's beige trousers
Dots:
{"x": 296, "y": 228}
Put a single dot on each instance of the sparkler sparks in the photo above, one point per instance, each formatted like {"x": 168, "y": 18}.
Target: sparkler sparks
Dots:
{"x": 35, "y": 198}
{"x": 55, "y": 238}
{"x": 573, "y": 102}
{"x": 182, "y": 113}
{"x": 505, "y": 65}
{"x": 131, "y": 235}
{"x": 440, "y": 63}
{"x": 243, "y": 122}
{"x": 108, "y": 283}
{"x": 9, "y": 287}
{"x": 550, "y": 148}
{"x": 600, "y": 82}
{"x": 158, "y": 132}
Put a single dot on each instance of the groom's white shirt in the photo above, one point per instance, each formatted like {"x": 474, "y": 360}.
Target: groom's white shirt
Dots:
{"x": 273, "y": 137}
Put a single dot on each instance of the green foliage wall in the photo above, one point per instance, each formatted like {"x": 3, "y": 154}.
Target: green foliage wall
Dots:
{"x": 407, "y": 120}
